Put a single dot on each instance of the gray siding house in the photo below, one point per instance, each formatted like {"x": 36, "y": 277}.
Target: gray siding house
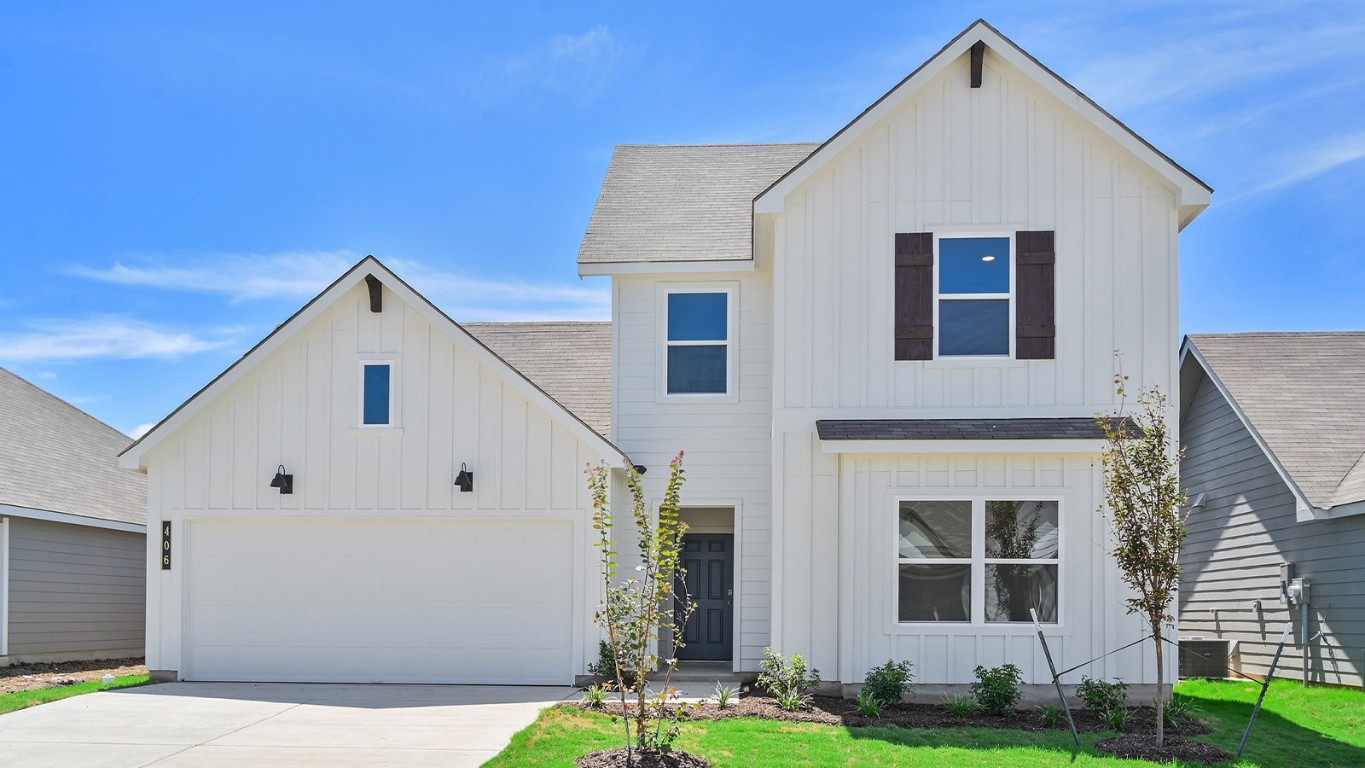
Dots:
{"x": 1273, "y": 427}
{"x": 72, "y": 533}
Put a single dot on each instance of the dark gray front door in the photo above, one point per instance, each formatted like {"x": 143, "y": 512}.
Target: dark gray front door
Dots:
{"x": 709, "y": 559}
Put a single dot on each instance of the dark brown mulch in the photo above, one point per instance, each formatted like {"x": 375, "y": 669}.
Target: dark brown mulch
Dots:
{"x": 616, "y": 758}
{"x": 834, "y": 710}
{"x": 1143, "y": 747}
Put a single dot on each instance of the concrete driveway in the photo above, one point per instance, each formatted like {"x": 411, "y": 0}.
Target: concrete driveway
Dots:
{"x": 176, "y": 725}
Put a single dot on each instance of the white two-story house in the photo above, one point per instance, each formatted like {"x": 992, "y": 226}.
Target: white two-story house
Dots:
{"x": 882, "y": 355}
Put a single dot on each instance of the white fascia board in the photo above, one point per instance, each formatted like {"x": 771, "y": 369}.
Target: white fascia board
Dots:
{"x": 1193, "y": 196}
{"x": 598, "y": 269}
{"x": 962, "y": 446}
{"x": 7, "y": 510}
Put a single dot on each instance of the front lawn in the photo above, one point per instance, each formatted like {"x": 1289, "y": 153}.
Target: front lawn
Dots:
{"x": 1312, "y": 727}
{"x": 11, "y": 702}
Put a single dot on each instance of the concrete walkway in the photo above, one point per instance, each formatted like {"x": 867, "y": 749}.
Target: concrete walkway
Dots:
{"x": 178, "y": 725}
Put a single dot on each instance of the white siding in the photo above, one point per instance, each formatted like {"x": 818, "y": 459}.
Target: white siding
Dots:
{"x": 300, "y": 407}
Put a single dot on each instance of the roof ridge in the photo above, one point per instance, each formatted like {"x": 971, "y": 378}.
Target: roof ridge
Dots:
{"x": 735, "y": 144}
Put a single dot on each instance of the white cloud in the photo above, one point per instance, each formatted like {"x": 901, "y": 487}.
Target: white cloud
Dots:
{"x": 577, "y": 66}
{"x": 116, "y": 338}
{"x": 137, "y": 432}
{"x": 1309, "y": 163}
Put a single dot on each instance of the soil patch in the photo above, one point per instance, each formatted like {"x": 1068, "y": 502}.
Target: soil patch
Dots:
{"x": 36, "y": 676}
{"x": 1143, "y": 747}
{"x": 616, "y": 758}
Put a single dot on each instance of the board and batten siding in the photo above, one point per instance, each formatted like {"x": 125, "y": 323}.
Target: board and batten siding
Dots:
{"x": 300, "y": 407}
{"x": 1237, "y": 541}
{"x": 75, "y": 590}
{"x": 727, "y": 444}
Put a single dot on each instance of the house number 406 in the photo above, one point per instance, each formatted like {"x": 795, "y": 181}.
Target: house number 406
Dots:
{"x": 166, "y": 546}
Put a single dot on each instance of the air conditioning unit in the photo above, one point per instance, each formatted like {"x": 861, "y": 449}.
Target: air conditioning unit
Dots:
{"x": 1203, "y": 657}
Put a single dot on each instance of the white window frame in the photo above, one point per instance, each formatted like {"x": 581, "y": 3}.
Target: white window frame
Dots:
{"x": 1009, "y": 297}
{"x": 978, "y": 560}
{"x": 393, "y": 392}
{"x": 731, "y": 393}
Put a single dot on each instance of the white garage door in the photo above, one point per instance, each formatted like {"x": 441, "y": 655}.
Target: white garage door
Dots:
{"x": 380, "y": 601}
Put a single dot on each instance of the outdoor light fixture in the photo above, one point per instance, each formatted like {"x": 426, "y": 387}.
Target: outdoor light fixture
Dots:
{"x": 465, "y": 479}
{"x": 641, "y": 468}
{"x": 283, "y": 481}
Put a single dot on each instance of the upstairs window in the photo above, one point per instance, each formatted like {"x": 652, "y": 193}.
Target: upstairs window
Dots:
{"x": 697, "y": 343}
{"x": 376, "y": 394}
{"x": 974, "y": 294}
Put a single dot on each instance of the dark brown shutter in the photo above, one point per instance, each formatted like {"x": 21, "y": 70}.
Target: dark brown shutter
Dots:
{"x": 914, "y": 296}
{"x": 1035, "y": 306}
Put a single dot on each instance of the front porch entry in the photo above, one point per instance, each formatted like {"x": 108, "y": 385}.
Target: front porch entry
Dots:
{"x": 709, "y": 559}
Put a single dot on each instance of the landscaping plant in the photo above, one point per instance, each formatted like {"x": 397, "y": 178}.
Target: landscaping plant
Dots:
{"x": 1178, "y": 707}
{"x": 1144, "y": 501}
{"x": 889, "y": 682}
{"x": 997, "y": 689}
{"x": 724, "y": 696}
{"x": 961, "y": 705}
{"x": 788, "y": 680}
{"x": 594, "y": 696}
{"x": 637, "y": 610}
{"x": 1102, "y": 696}
{"x": 868, "y": 704}
{"x": 1050, "y": 715}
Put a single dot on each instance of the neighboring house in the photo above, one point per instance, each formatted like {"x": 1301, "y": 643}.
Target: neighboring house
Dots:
{"x": 1273, "y": 426}
{"x": 72, "y": 533}
{"x": 882, "y": 354}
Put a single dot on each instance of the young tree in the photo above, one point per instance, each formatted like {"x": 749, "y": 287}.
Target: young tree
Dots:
{"x": 1142, "y": 489}
{"x": 637, "y": 610}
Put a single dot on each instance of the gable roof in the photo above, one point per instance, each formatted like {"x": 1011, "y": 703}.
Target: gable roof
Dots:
{"x": 1194, "y": 194}
{"x": 58, "y": 458}
{"x": 688, "y": 203}
{"x": 133, "y": 456}
{"x": 570, "y": 360}
{"x": 1303, "y": 397}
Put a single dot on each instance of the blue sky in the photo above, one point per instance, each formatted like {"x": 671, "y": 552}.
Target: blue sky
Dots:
{"x": 181, "y": 177}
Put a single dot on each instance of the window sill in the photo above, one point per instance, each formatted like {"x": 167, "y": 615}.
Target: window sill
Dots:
{"x": 680, "y": 399}
{"x": 971, "y": 362}
{"x": 1013, "y": 628}
{"x": 377, "y": 431}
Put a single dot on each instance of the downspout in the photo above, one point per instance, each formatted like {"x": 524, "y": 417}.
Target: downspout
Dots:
{"x": 1304, "y": 606}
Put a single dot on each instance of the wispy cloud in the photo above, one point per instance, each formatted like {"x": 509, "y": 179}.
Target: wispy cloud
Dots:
{"x": 1309, "y": 163}
{"x": 110, "y": 337}
{"x": 140, "y": 430}
{"x": 298, "y": 276}
{"x": 577, "y": 66}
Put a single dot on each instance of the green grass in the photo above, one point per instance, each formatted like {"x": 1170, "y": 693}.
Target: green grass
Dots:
{"x": 10, "y": 702}
{"x": 1297, "y": 727}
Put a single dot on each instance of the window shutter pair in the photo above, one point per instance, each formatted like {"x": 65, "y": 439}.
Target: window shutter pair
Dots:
{"x": 1034, "y": 296}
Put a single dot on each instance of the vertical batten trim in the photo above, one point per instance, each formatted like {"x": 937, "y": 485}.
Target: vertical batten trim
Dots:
{"x": 5, "y": 565}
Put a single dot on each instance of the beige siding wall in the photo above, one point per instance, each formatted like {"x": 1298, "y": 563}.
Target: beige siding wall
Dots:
{"x": 1239, "y": 538}
{"x": 74, "y": 590}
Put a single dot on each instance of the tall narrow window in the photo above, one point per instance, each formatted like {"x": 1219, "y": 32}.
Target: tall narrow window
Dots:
{"x": 376, "y": 395}
{"x": 698, "y": 344}
{"x": 973, "y": 296}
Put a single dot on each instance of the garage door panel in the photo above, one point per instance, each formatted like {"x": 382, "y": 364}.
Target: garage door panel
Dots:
{"x": 408, "y": 601}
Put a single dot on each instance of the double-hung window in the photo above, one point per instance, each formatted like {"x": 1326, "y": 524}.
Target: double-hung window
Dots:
{"x": 698, "y": 346}
{"x": 376, "y": 394}
{"x": 974, "y": 297}
{"x": 978, "y": 561}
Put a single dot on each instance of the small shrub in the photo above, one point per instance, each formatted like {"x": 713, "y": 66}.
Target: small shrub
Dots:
{"x": 1177, "y": 708}
{"x": 594, "y": 696}
{"x": 1050, "y": 715}
{"x": 997, "y": 689}
{"x": 1116, "y": 719}
{"x": 961, "y": 705}
{"x": 605, "y": 666}
{"x": 868, "y": 704}
{"x": 1102, "y": 696}
{"x": 788, "y": 680}
{"x": 724, "y": 696}
{"x": 889, "y": 682}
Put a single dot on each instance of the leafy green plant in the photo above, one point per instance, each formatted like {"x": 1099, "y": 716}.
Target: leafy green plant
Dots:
{"x": 725, "y": 696}
{"x": 868, "y": 704}
{"x": 1050, "y": 715}
{"x": 961, "y": 705}
{"x": 788, "y": 680}
{"x": 594, "y": 696}
{"x": 997, "y": 689}
{"x": 1116, "y": 719}
{"x": 638, "y": 609}
{"x": 889, "y": 682}
{"x": 1102, "y": 696}
{"x": 1179, "y": 707}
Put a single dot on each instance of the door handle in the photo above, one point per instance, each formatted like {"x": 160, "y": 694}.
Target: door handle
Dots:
{"x": 730, "y": 596}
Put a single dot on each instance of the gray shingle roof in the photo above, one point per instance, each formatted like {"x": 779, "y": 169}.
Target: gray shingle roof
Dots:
{"x": 571, "y": 361}
{"x": 683, "y": 202}
{"x": 1305, "y": 395}
{"x": 1081, "y": 428}
{"x": 58, "y": 458}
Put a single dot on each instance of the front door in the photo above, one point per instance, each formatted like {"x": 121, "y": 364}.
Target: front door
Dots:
{"x": 709, "y": 561}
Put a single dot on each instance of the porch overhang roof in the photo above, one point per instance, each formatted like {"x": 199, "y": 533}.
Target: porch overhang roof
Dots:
{"x": 1033, "y": 435}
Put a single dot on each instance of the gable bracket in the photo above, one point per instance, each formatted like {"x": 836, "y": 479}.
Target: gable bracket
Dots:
{"x": 376, "y": 296}
{"x": 978, "y": 60}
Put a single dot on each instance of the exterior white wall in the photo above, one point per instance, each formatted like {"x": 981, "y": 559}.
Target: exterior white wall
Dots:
{"x": 300, "y": 407}
{"x": 727, "y": 444}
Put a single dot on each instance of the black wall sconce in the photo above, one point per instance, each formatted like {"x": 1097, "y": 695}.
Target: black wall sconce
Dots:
{"x": 641, "y": 468}
{"x": 465, "y": 479}
{"x": 283, "y": 481}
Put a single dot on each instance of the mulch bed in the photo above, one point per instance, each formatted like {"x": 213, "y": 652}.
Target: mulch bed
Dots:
{"x": 1143, "y": 747}
{"x": 616, "y": 758}
{"x": 36, "y": 676}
